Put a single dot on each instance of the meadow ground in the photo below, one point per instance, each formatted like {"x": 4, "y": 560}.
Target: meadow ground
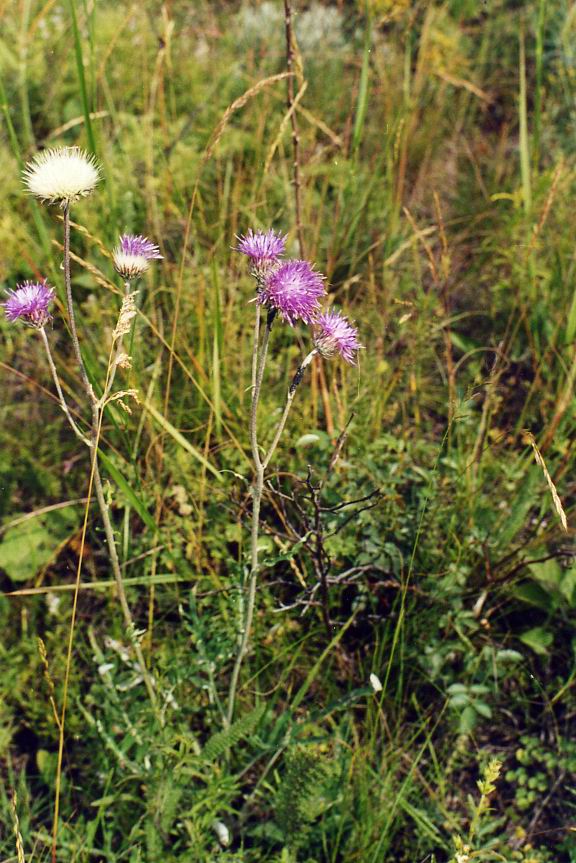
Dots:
{"x": 409, "y": 530}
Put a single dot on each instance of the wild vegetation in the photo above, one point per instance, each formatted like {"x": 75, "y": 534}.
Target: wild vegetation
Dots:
{"x": 407, "y": 693}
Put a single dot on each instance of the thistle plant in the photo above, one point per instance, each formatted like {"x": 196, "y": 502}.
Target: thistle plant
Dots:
{"x": 292, "y": 292}
{"x": 63, "y": 176}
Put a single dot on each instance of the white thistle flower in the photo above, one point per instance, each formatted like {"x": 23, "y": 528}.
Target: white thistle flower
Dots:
{"x": 129, "y": 266}
{"x": 133, "y": 254}
{"x": 62, "y": 175}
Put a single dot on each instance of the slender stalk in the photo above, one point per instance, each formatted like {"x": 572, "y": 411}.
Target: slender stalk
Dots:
{"x": 97, "y": 413}
{"x": 94, "y": 482}
{"x": 289, "y": 399}
{"x": 259, "y": 353}
{"x": 255, "y": 388}
{"x": 70, "y": 305}
{"x": 258, "y": 364}
{"x": 256, "y": 345}
{"x": 96, "y": 424}
{"x": 290, "y": 63}
{"x": 62, "y": 722}
{"x": 61, "y": 398}
{"x": 260, "y": 465}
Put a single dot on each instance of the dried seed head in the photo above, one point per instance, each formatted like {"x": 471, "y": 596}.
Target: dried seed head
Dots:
{"x": 127, "y": 313}
{"x": 62, "y": 175}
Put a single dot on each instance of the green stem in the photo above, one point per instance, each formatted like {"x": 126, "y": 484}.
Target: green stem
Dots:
{"x": 61, "y": 398}
{"x": 258, "y": 363}
{"x": 289, "y": 399}
{"x": 96, "y": 426}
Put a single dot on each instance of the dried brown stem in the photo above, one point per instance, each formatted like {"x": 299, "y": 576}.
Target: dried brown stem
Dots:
{"x": 290, "y": 64}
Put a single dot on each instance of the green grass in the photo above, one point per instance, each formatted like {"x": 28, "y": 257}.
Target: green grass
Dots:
{"x": 437, "y": 164}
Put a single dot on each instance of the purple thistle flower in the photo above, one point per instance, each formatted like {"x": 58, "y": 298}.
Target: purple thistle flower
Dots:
{"x": 133, "y": 255}
{"x": 335, "y": 335}
{"x": 131, "y": 244}
{"x": 262, "y": 247}
{"x": 30, "y": 303}
{"x": 293, "y": 289}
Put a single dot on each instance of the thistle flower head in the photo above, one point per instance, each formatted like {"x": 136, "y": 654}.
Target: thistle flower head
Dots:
{"x": 30, "y": 303}
{"x": 133, "y": 254}
{"x": 334, "y": 334}
{"x": 261, "y": 246}
{"x": 293, "y": 289}
{"x": 62, "y": 175}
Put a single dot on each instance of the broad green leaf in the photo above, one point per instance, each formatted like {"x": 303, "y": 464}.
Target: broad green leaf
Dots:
{"x": 458, "y": 701}
{"x": 548, "y": 572}
{"x": 516, "y": 516}
{"x": 534, "y": 594}
{"x": 568, "y": 585}
{"x": 307, "y": 439}
{"x": 29, "y": 546}
{"x": 457, "y": 688}
{"x": 483, "y": 709}
{"x": 506, "y": 655}
{"x": 468, "y": 719}
{"x": 538, "y": 638}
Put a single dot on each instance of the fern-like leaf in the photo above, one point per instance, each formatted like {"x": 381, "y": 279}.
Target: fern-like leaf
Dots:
{"x": 298, "y": 800}
{"x": 222, "y": 741}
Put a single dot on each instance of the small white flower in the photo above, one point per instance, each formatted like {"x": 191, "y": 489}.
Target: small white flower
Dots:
{"x": 53, "y": 603}
{"x": 222, "y": 833}
{"x": 62, "y": 175}
{"x": 105, "y": 668}
{"x": 375, "y": 683}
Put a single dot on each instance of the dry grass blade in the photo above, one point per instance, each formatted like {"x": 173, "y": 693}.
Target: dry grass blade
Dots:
{"x": 285, "y": 120}
{"x": 99, "y": 276}
{"x": 529, "y": 438}
{"x": 235, "y": 106}
{"x": 16, "y": 823}
{"x": 547, "y": 207}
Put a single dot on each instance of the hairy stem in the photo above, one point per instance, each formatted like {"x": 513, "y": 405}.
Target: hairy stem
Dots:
{"x": 258, "y": 363}
{"x": 70, "y": 305}
{"x": 61, "y": 398}
{"x": 289, "y": 399}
